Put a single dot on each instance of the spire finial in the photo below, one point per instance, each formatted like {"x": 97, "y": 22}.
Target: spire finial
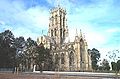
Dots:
{"x": 83, "y": 35}
{"x": 68, "y": 39}
{"x": 42, "y": 32}
{"x": 76, "y": 32}
{"x": 80, "y": 33}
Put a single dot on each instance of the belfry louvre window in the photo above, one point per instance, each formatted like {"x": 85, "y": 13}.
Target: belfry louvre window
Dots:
{"x": 63, "y": 22}
{"x": 55, "y": 32}
{"x": 51, "y": 32}
{"x": 55, "y": 19}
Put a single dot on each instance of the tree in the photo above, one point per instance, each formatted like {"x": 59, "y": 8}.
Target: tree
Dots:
{"x": 43, "y": 58}
{"x": 114, "y": 55}
{"x": 100, "y": 68}
{"x": 114, "y": 66}
{"x": 20, "y": 46}
{"x": 48, "y": 62}
{"x": 29, "y": 53}
{"x": 118, "y": 65}
{"x": 7, "y": 49}
{"x": 16, "y": 52}
{"x": 95, "y": 55}
{"x": 105, "y": 65}
{"x": 40, "y": 56}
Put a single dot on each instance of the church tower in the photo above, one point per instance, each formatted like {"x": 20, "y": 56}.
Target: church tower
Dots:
{"x": 67, "y": 55}
{"x": 58, "y": 28}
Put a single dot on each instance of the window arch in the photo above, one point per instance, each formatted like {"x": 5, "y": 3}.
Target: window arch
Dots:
{"x": 62, "y": 58}
{"x": 63, "y": 33}
{"x": 55, "y": 32}
{"x": 52, "y": 20}
{"x": 81, "y": 41}
{"x": 60, "y": 21}
{"x": 82, "y": 45}
{"x": 56, "y": 59}
{"x": 71, "y": 58}
{"x": 63, "y": 22}
{"x": 51, "y": 32}
{"x": 55, "y": 19}
{"x": 82, "y": 50}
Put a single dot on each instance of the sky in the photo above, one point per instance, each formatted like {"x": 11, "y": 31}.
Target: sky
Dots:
{"x": 99, "y": 20}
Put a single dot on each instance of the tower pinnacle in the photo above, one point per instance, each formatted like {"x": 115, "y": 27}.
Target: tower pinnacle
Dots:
{"x": 76, "y": 32}
{"x": 80, "y": 33}
{"x": 58, "y": 3}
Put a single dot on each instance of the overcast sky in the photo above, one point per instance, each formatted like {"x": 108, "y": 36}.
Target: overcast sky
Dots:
{"x": 99, "y": 20}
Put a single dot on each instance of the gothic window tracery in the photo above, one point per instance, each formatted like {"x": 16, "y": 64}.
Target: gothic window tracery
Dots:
{"x": 71, "y": 58}
{"x": 55, "y": 32}
{"x": 62, "y": 58}
{"x": 82, "y": 50}
{"x": 52, "y": 20}
{"x": 64, "y": 34}
{"x": 61, "y": 35}
{"x": 51, "y": 32}
{"x": 56, "y": 59}
{"x": 63, "y": 22}
{"x": 60, "y": 21}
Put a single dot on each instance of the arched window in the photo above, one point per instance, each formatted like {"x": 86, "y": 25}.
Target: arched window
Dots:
{"x": 52, "y": 20}
{"x": 63, "y": 22}
{"x": 64, "y": 34}
{"x": 55, "y": 32}
{"x": 71, "y": 58}
{"x": 55, "y": 19}
{"x": 60, "y": 21}
{"x": 62, "y": 58}
{"x": 51, "y": 32}
{"x": 81, "y": 42}
{"x": 82, "y": 49}
{"x": 56, "y": 59}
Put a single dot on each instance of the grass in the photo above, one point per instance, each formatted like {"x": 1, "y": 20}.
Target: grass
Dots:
{"x": 38, "y": 76}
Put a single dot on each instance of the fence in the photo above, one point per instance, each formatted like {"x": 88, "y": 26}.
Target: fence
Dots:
{"x": 6, "y": 69}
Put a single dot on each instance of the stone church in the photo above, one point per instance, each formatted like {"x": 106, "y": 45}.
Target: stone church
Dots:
{"x": 67, "y": 55}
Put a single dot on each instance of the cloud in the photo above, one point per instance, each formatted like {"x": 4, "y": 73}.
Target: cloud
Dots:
{"x": 31, "y": 20}
{"x": 5, "y": 26}
{"x": 25, "y": 32}
{"x": 113, "y": 30}
{"x": 2, "y": 23}
{"x": 99, "y": 20}
{"x": 39, "y": 16}
{"x": 94, "y": 38}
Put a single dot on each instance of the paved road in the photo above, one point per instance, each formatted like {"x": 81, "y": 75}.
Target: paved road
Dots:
{"x": 82, "y": 74}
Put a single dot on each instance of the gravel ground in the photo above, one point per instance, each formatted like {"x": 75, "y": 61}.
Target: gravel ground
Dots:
{"x": 38, "y": 76}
